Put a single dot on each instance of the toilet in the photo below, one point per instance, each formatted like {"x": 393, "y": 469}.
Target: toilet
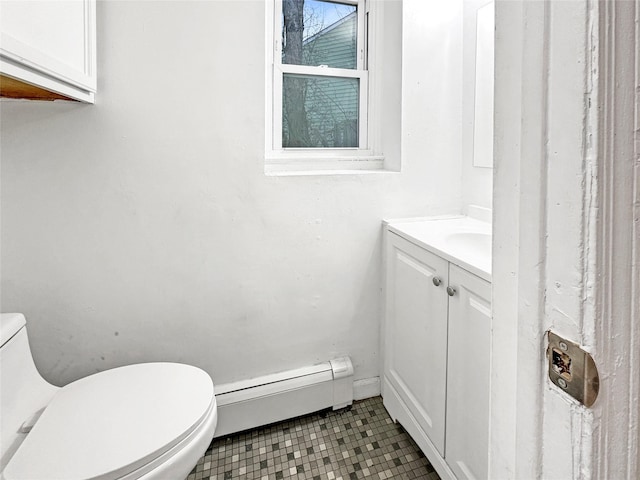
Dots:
{"x": 150, "y": 421}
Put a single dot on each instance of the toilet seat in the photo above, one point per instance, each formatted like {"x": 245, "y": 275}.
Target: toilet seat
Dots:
{"x": 108, "y": 425}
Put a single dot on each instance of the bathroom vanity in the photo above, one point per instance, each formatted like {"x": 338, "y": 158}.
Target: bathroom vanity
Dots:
{"x": 436, "y": 339}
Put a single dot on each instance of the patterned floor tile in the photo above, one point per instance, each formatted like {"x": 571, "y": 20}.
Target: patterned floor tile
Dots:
{"x": 357, "y": 443}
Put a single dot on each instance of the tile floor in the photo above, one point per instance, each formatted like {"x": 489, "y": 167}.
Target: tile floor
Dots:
{"x": 359, "y": 443}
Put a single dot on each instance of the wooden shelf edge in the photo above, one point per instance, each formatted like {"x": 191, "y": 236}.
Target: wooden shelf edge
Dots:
{"x": 13, "y": 88}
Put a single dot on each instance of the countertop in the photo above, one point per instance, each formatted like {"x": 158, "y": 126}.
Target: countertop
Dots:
{"x": 462, "y": 240}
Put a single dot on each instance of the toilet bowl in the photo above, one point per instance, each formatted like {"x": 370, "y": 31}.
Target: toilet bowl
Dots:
{"x": 145, "y": 421}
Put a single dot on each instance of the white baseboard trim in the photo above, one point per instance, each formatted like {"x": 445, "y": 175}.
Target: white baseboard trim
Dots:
{"x": 366, "y": 388}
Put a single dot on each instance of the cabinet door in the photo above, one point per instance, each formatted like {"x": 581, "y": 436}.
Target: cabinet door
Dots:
{"x": 468, "y": 380}
{"x": 50, "y": 44}
{"x": 416, "y": 333}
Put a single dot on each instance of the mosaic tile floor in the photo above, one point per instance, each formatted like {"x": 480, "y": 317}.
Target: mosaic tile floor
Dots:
{"x": 360, "y": 443}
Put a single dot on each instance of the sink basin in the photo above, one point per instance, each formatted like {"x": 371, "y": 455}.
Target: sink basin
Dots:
{"x": 476, "y": 243}
{"x": 463, "y": 241}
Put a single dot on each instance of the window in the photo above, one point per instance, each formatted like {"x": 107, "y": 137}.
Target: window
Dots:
{"x": 318, "y": 82}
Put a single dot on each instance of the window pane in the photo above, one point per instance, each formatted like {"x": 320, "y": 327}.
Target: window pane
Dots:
{"x": 315, "y": 32}
{"x": 319, "y": 112}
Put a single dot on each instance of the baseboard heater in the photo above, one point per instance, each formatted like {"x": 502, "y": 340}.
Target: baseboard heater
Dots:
{"x": 260, "y": 401}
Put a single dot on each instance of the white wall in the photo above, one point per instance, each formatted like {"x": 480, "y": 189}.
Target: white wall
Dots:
{"x": 432, "y": 82}
{"x": 143, "y": 227}
{"x": 477, "y": 182}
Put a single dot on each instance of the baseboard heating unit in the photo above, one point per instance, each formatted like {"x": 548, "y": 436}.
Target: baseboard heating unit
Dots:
{"x": 260, "y": 401}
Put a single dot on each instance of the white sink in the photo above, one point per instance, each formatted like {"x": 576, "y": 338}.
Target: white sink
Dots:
{"x": 464, "y": 241}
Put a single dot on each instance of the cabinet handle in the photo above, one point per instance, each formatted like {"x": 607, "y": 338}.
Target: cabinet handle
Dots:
{"x": 451, "y": 291}
{"x": 437, "y": 281}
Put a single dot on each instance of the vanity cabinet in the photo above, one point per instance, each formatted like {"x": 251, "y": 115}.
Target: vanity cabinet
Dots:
{"x": 436, "y": 356}
{"x": 468, "y": 363}
{"x": 48, "y": 49}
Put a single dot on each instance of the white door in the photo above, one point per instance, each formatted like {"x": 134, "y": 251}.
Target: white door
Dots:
{"x": 468, "y": 386}
{"x": 416, "y": 333}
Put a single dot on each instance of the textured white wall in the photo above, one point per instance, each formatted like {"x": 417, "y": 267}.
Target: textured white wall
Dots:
{"x": 142, "y": 228}
{"x": 432, "y": 85}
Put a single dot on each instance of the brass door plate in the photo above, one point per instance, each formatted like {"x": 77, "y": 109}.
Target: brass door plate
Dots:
{"x": 572, "y": 369}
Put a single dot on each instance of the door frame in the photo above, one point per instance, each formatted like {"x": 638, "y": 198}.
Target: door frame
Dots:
{"x": 566, "y": 235}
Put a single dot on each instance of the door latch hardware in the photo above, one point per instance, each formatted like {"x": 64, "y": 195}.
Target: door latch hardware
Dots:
{"x": 572, "y": 369}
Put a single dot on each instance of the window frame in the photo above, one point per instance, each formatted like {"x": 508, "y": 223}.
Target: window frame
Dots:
{"x": 361, "y": 157}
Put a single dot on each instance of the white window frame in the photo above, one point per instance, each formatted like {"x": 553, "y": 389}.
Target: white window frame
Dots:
{"x": 278, "y": 158}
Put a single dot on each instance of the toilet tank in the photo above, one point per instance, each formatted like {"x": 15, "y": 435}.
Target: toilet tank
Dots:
{"x": 24, "y": 394}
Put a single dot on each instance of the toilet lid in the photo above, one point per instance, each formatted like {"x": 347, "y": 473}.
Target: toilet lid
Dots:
{"x": 107, "y": 425}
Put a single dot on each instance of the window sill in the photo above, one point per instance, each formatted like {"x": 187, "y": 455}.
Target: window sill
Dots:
{"x": 337, "y": 165}
{"x": 309, "y": 173}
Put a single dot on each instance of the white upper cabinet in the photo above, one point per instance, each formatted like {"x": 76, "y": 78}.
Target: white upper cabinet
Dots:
{"x": 48, "y": 46}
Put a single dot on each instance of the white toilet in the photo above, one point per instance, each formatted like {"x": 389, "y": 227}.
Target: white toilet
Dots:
{"x": 146, "y": 421}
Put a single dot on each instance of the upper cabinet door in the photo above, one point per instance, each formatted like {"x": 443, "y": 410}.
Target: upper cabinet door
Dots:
{"x": 50, "y": 45}
{"x": 468, "y": 386}
{"x": 416, "y": 333}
